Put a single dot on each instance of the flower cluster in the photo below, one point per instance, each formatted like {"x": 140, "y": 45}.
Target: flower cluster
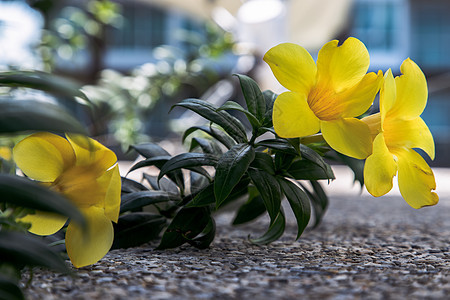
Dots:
{"x": 86, "y": 173}
{"x": 330, "y": 95}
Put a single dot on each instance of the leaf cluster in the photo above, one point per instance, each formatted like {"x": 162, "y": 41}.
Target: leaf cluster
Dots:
{"x": 226, "y": 162}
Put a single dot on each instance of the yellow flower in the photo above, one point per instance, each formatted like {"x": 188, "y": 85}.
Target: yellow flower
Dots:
{"x": 5, "y": 153}
{"x": 397, "y": 129}
{"x": 325, "y": 97}
{"x": 86, "y": 173}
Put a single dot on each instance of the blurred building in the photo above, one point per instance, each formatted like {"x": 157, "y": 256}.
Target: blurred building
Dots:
{"x": 396, "y": 29}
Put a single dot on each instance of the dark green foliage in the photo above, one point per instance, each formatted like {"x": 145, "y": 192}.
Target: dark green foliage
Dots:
{"x": 26, "y": 115}
{"x": 260, "y": 171}
{"x": 22, "y": 192}
{"x": 137, "y": 228}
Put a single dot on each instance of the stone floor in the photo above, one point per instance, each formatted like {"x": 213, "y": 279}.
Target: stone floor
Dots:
{"x": 366, "y": 248}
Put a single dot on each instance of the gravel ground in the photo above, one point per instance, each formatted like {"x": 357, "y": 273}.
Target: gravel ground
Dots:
{"x": 366, "y": 248}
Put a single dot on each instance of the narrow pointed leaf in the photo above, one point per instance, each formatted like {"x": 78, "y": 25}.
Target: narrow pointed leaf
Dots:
{"x": 250, "y": 210}
{"x": 198, "y": 182}
{"x": 129, "y": 186}
{"x": 263, "y": 161}
{"x": 24, "y": 115}
{"x": 307, "y": 170}
{"x": 218, "y": 134}
{"x": 269, "y": 189}
{"x": 207, "y": 146}
{"x": 187, "y": 224}
{"x": 135, "y": 229}
{"x": 319, "y": 201}
{"x": 254, "y": 99}
{"x": 269, "y": 98}
{"x": 149, "y": 150}
{"x": 205, "y": 238}
{"x": 275, "y": 231}
{"x": 231, "y": 105}
{"x": 229, "y": 123}
{"x": 137, "y": 200}
{"x": 164, "y": 184}
{"x": 204, "y": 198}
{"x": 278, "y": 144}
{"x": 191, "y": 161}
{"x": 313, "y": 156}
{"x": 230, "y": 169}
{"x": 158, "y": 161}
{"x": 299, "y": 202}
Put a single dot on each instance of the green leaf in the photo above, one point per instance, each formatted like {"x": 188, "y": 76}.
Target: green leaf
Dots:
{"x": 129, "y": 186}
{"x": 20, "y": 249}
{"x": 158, "y": 161}
{"x": 206, "y": 145}
{"x": 230, "y": 169}
{"x": 231, "y": 105}
{"x": 205, "y": 238}
{"x": 319, "y": 201}
{"x": 9, "y": 290}
{"x": 46, "y": 82}
{"x": 135, "y": 229}
{"x": 198, "y": 182}
{"x": 307, "y": 170}
{"x": 256, "y": 104}
{"x": 149, "y": 150}
{"x": 218, "y": 134}
{"x": 23, "y": 115}
{"x": 269, "y": 189}
{"x": 313, "y": 156}
{"x": 137, "y": 200}
{"x": 250, "y": 210}
{"x": 275, "y": 231}
{"x": 263, "y": 161}
{"x": 22, "y": 192}
{"x": 299, "y": 202}
{"x": 269, "y": 98}
{"x": 229, "y": 123}
{"x": 164, "y": 184}
{"x": 191, "y": 161}
{"x": 278, "y": 144}
{"x": 187, "y": 224}
{"x": 203, "y": 198}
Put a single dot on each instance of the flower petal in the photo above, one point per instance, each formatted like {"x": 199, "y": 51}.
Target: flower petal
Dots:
{"x": 83, "y": 185}
{"x": 348, "y": 136}
{"x": 293, "y": 67}
{"x": 90, "y": 152}
{"x": 44, "y": 223}
{"x": 412, "y": 91}
{"x": 387, "y": 94}
{"x": 379, "y": 169}
{"x": 86, "y": 248}
{"x": 343, "y": 66}
{"x": 43, "y": 156}
{"x": 357, "y": 100}
{"x": 292, "y": 116}
{"x": 112, "y": 197}
{"x": 410, "y": 134}
{"x": 415, "y": 179}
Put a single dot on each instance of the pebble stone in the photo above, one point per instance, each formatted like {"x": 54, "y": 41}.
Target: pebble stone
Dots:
{"x": 366, "y": 248}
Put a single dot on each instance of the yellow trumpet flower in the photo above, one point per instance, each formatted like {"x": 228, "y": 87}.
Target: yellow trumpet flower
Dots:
{"x": 86, "y": 173}
{"x": 325, "y": 97}
{"x": 396, "y": 130}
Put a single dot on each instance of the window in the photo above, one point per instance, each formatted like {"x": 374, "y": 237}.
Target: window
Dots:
{"x": 383, "y": 26}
